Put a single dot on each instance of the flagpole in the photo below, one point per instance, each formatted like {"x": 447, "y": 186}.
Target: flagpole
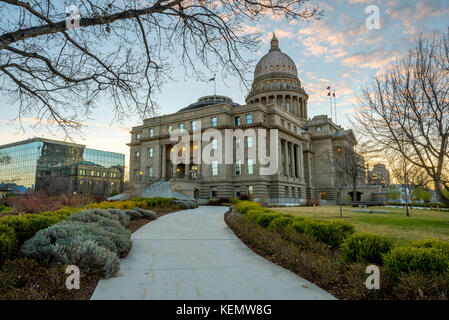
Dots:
{"x": 330, "y": 99}
{"x": 215, "y": 87}
{"x": 335, "y": 106}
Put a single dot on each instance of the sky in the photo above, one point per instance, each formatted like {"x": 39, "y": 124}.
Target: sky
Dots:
{"x": 338, "y": 50}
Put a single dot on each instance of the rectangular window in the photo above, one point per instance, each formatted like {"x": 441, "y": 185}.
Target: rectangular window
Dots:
{"x": 237, "y": 191}
{"x": 323, "y": 195}
{"x": 138, "y": 136}
{"x": 215, "y": 168}
{"x": 238, "y": 167}
{"x": 170, "y": 129}
{"x": 237, "y": 121}
{"x": 149, "y": 172}
{"x": 151, "y": 132}
{"x": 289, "y": 126}
{"x": 137, "y": 154}
{"x": 150, "y": 152}
{"x": 249, "y": 142}
{"x": 250, "y": 190}
{"x": 193, "y": 125}
{"x": 249, "y": 118}
{"x": 250, "y": 166}
{"x": 265, "y": 119}
{"x": 282, "y": 123}
{"x": 213, "y": 121}
{"x": 237, "y": 143}
{"x": 181, "y": 126}
{"x": 213, "y": 192}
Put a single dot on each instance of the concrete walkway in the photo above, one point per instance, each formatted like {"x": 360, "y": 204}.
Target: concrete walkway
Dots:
{"x": 192, "y": 254}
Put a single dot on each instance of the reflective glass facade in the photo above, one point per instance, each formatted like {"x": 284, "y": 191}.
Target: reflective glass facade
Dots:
{"x": 32, "y": 164}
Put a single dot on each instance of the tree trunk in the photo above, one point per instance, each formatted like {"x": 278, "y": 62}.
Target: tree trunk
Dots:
{"x": 354, "y": 190}
{"x": 439, "y": 191}
{"x": 339, "y": 199}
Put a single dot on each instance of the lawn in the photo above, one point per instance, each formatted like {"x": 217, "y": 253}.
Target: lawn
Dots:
{"x": 422, "y": 224}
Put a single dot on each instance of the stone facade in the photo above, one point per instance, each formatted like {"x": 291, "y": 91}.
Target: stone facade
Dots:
{"x": 277, "y": 100}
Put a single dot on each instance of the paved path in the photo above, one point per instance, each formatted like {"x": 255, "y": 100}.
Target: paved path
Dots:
{"x": 192, "y": 254}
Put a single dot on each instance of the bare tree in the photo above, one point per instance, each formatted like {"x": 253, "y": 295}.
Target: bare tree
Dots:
{"x": 347, "y": 167}
{"x": 405, "y": 110}
{"x": 351, "y": 167}
{"x": 122, "y": 51}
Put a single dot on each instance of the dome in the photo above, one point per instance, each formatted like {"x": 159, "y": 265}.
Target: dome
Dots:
{"x": 209, "y": 100}
{"x": 275, "y": 63}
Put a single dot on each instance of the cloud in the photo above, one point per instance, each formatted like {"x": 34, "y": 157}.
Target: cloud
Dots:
{"x": 373, "y": 59}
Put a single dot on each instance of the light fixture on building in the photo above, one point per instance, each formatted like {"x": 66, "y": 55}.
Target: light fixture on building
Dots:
{"x": 177, "y": 170}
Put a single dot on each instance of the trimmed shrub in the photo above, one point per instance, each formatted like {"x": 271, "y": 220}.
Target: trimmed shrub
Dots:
{"x": 299, "y": 224}
{"x": 432, "y": 243}
{"x": 366, "y": 247}
{"x": 7, "y": 242}
{"x": 26, "y": 225}
{"x": 332, "y": 233}
{"x": 89, "y": 256}
{"x": 408, "y": 259}
{"x": 95, "y": 215}
{"x": 244, "y": 206}
{"x": 65, "y": 243}
{"x": 281, "y": 224}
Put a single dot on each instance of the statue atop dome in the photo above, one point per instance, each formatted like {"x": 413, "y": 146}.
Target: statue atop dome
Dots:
{"x": 274, "y": 44}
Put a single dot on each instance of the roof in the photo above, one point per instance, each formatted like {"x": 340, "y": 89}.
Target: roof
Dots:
{"x": 275, "y": 63}
{"x": 208, "y": 101}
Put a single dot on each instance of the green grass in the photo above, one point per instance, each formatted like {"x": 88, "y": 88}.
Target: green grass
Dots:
{"x": 422, "y": 224}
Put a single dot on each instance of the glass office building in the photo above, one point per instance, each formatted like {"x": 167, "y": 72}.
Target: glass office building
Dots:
{"x": 38, "y": 163}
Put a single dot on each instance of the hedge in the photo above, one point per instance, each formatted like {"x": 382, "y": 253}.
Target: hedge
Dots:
{"x": 8, "y": 242}
{"x": 409, "y": 259}
{"x": 366, "y": 247}
{"x": 332, "y": 233}
{"x": 432, "y": 243}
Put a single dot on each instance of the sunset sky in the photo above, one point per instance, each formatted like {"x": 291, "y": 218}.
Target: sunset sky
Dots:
{"x": 337, "y": 50}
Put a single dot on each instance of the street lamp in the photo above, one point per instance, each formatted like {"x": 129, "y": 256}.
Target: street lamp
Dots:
{"x": 140, "y": 175}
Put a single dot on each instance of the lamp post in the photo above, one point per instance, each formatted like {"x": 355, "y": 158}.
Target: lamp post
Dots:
{"x": 141, "y": 182}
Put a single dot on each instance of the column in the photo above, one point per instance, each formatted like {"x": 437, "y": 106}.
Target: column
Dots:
{"x": 164, "y": 161}
{"x": 295, "y": 102}
{"x": 281, "y": 168}
{"x": 301, "y": 161}
{"x": 287, "y": 160}
{"x": 292, "y": 154}
{"x": 296, "y": 148}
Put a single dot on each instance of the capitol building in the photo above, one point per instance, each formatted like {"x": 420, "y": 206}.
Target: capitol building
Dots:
{"x": 277, "y": 100}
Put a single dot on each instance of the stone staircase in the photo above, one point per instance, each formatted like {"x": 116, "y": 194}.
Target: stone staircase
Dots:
{"x": 156, "y": 189}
